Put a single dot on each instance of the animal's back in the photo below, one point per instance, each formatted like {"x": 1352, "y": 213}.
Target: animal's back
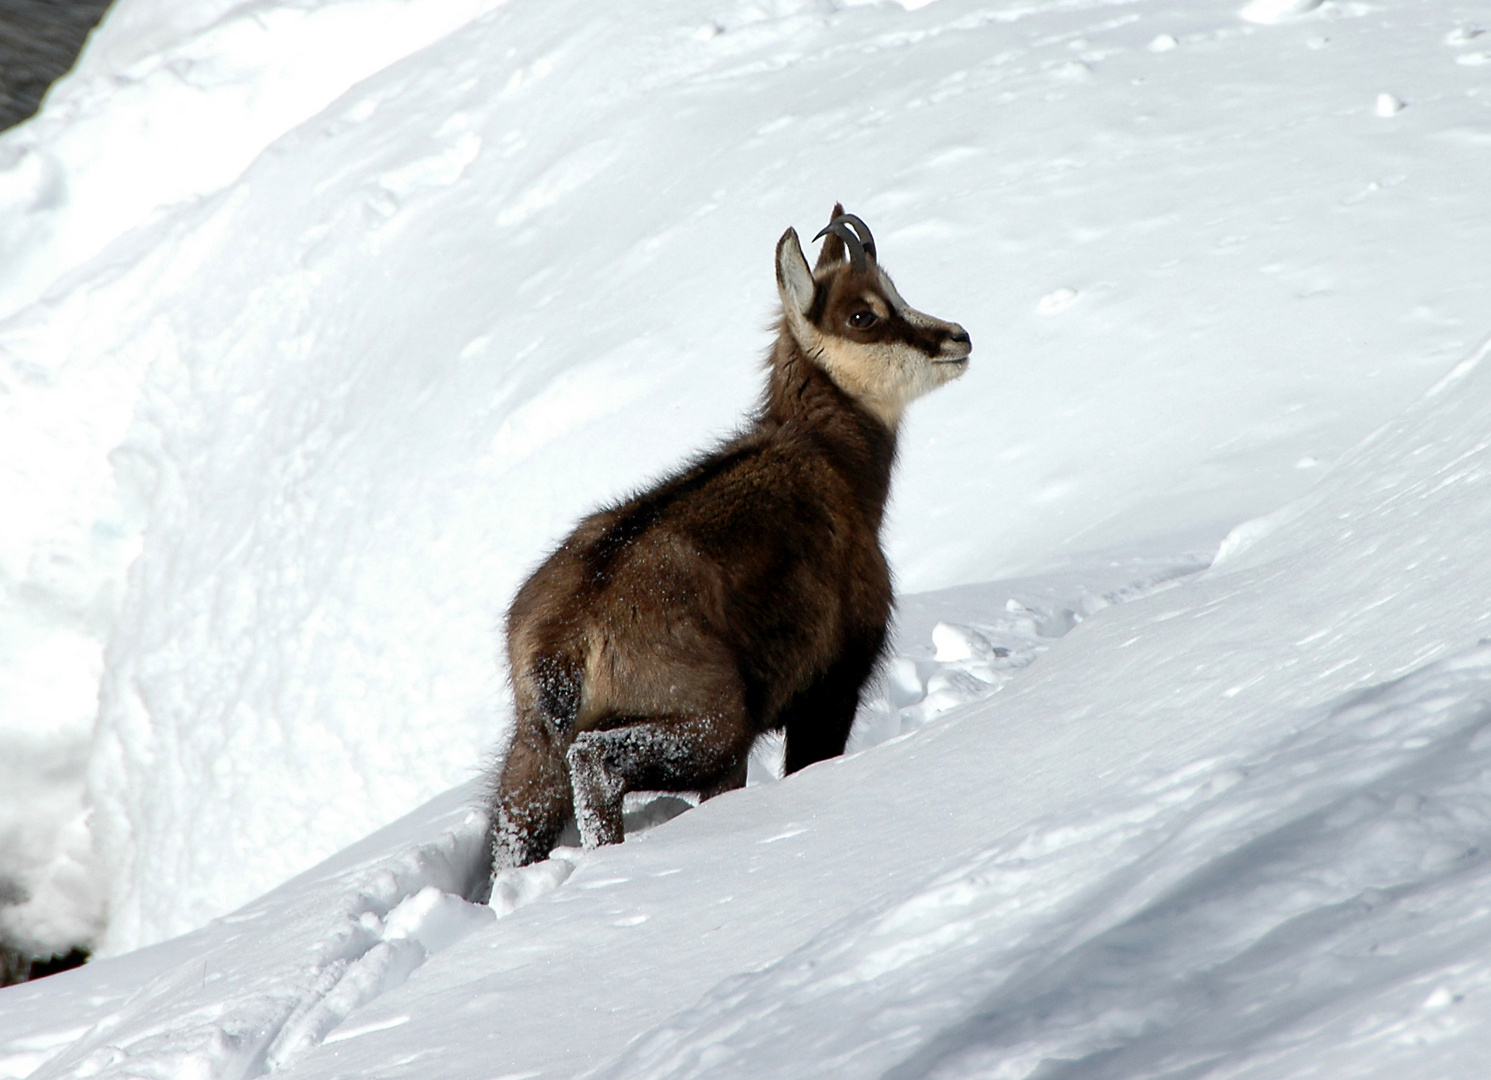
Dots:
{"x": 758, "y": 554}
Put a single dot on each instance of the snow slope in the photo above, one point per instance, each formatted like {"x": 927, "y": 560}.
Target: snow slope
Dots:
{"x": 327, "y": 411}
{"x": 1218, "y": 830}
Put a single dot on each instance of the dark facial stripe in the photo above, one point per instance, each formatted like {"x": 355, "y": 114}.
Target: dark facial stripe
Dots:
{"x": 924, "y": 339}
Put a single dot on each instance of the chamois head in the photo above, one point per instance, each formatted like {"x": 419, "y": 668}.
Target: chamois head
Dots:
{"x": 847, "y": 317}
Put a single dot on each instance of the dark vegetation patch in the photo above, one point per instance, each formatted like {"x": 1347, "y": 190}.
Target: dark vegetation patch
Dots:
{"x": 17, "y": 967}
{"x": 39, "y": 41}
{"x": 17, "y": 964}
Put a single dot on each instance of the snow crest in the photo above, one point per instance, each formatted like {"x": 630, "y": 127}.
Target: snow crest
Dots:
{"x": 1215, "y": 915}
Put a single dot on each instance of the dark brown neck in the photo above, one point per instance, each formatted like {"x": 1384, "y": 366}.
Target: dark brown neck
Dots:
{"x": 802, "y": 401}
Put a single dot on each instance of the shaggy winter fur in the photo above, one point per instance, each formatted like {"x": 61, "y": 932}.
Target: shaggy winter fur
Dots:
{"x": 746, "y": 593}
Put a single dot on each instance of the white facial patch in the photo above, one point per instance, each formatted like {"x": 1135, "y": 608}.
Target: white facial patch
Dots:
{"x": 883, "y": 377}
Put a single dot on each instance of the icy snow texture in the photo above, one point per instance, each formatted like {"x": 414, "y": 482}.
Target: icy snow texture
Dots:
{"x": 339, "y": 399}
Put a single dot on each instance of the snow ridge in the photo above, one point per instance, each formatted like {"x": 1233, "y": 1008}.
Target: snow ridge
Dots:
{"x": 1137, "y": 939}
{"x": 953, "y": 647}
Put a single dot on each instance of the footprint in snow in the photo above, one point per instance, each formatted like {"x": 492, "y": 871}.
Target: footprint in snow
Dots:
{"x": 1273, "y": 11}
{"x": 1389, "y": 105}
{"x": 1054, "y": 302}
{"x": 1069, "y": 70}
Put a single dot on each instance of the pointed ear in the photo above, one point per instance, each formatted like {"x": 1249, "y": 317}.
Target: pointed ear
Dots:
{"x": 794, "y": 279}
{"x": 832, "y": 252}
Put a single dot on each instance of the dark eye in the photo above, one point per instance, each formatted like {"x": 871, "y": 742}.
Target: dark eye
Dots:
{"x": 862, "y": 320}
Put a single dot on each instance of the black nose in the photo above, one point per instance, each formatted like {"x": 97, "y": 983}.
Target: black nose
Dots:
{"x": 960, "y": 336}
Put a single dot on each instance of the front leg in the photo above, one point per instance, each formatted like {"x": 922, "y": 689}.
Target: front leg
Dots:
{"x": 598, "y": 787}
{"x": 818, "y": 720}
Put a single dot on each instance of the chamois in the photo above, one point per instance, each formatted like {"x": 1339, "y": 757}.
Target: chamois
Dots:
{"x": 745, "y": 593}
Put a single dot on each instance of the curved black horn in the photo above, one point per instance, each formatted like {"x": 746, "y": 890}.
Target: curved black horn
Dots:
{"x": 860, "y": 227}
{"x": 851, "y": 241}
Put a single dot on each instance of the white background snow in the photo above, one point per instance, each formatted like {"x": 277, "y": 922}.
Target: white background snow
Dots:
{"x": 321, "y": 321}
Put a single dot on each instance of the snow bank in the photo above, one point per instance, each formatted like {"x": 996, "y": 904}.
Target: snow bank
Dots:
{"x": 168, "y": 105}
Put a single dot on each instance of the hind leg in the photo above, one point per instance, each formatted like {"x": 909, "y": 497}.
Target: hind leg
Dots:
{"x": 706, "y": 754}
{"x": 531, "y": 804}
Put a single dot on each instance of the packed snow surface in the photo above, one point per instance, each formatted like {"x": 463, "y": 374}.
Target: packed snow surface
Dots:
{"x": 320, "y": 322}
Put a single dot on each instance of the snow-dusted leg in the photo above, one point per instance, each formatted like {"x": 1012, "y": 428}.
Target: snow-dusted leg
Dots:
{"x": 531, "y": 803}
{"x": 703, "y": 754}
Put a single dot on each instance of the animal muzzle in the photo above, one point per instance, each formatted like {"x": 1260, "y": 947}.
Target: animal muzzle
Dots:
{"x": 955, "y": 345}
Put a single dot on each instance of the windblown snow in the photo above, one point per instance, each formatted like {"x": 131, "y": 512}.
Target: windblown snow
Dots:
{"x": 320, "y": 321}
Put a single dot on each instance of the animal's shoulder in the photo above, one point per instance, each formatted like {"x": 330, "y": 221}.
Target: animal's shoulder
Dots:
{"x": 749, "y": 481}
{"x": 755, "y": 467}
